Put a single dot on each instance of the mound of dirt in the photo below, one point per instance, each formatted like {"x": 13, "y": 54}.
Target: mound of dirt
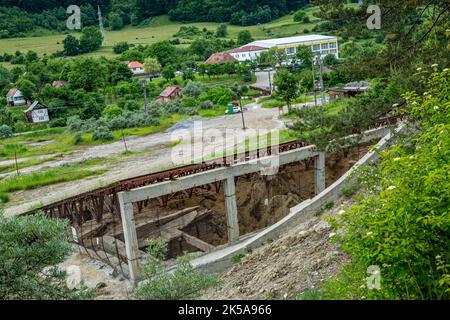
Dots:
{"x": 300, "y": 259}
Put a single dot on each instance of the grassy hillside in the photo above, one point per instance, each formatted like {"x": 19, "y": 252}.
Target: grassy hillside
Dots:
{"x": 158, "y": 29}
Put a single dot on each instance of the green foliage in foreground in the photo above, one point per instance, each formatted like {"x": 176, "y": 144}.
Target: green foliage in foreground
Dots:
{"x": 28, "y": 246}
{"x": 402, "y": 222}
{"x": 158, "y": 284}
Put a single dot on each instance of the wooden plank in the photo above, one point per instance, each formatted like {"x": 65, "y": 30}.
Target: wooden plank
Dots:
{"x": 108, "y": 244}
{"x": 146, "y": 225}
{"x": 196, "y": 242}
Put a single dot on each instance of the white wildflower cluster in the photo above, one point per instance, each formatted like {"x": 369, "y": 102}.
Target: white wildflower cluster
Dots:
{"x": 391, "y": 188}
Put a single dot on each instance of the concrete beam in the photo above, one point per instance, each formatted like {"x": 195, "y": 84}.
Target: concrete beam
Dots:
{"x": 231, "y": 207}
{"x": 220, "y": 174}
{"x": 319, "y": 173}
{"x": 130, "y": 237}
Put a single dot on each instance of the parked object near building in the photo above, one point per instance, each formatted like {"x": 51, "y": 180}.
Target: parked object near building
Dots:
{"x": 350, "y": 90}
{"x": 170, "y": 93}
{"x": 15, "y": 97}
{"x": 37, "y": 113}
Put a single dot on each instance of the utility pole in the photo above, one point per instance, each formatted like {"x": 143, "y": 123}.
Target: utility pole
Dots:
{"x": 240, "y": 106}
{"x": 270, "y": 81}
{"x": 124, "y": 142}
{"x": 314, "y": 83}
{"x": 321, "y": 81}
{"x": 15, "y": 159}
{"x": 144, "y": 86}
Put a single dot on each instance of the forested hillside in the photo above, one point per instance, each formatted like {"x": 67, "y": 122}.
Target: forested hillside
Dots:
{"x": 21, "y": 18}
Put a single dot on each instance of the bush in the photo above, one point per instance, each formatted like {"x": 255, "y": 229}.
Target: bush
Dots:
{"x": 121, "y": 47}
{"x": 206, "y": 105}
{"x": 112, "y": 111}
{"x": 158, "y": 284}
{"x": 5, "y": 131}
{"x": 77, "y": 138}
{"x": 192, "y": 89}
{"x": 299, "y": 16}
{"x": 102, "y": 134}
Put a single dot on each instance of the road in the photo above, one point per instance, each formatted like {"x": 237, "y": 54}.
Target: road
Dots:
{"x": 154, "y": 153}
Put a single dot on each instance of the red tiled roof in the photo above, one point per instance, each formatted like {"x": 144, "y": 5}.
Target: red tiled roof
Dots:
{"x": 135, "y": 64}
{"x": 220, "y": 58}
{"x": 11, "y": 92}
{"x": 169, "y": 91}
{"x": 246, "y": 49}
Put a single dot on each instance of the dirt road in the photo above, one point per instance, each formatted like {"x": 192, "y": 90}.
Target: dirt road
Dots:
{"x": 154, "y": 154}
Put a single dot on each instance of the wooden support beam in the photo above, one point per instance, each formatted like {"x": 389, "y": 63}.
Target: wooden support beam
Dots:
{"x": 196, "y": 242}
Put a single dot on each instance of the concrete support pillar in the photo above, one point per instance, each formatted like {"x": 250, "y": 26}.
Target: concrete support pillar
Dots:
{"x": 130, "y": 237}
{"x": 319, "y": 172}
{"x": 231, "y": 207}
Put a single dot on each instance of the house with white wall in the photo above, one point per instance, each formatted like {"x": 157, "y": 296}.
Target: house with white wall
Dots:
{"x": 15, "y": 97}
{"x": 136, "y": 67}
{"x": 37, "y": 113}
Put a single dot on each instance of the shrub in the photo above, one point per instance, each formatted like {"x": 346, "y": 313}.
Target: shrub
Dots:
{"x": 299, "y": 16}
{"x": 5, "y": 131}
{"x": 112, "y": 111}
{"x": 192, "y": 89}
{"x": 158, "y": 284}
{"x": 74, "y": 123}
{"x": 121, "y": 47}
{"x": 206, "y": 105}
{"x": 77, "y": 138}
{"x": 102, "y": 134}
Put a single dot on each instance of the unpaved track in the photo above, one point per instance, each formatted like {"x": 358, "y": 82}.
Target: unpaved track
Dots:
{"x": 155, "y": 155}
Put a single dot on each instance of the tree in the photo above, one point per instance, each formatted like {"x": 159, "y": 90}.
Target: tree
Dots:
{"x": 277, "y": 57}
{"x": 88, "y": 74}
{"x": 287, "y": 86}
{"x": 222, "y": 31}
{"x": 71, "y": 46}
{"x": 115, "y": 21}
{"x": 91, "y": 39}
{"x": 5, "y": 77}
{"x": 330, "y": 60}
{"x": 30, "y": 247}
{"x": 152, "y": 65}
{"x": 26, "y": 87}
{"x": 244, "y": 37}
{"x": 305, "y": 56}
{"x": 165, "y": 52}
{"x": 169, "y": 72}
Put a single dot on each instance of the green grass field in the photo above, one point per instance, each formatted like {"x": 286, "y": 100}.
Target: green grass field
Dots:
{"x": 158, "y": 29}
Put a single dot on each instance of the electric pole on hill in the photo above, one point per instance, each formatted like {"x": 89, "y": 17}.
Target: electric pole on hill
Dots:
{"x": 144, "y": 86}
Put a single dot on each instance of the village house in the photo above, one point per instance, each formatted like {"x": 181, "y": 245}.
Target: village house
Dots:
{"x": 170, "y": 93}
{"x": 37, "y": 113}
{"x": 15, "y": 97}
{"x": 136, "y": 67}
{"x": 220, "y": 58}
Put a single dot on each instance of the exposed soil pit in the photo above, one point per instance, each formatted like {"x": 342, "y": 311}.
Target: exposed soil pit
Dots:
{"x": 195, "y": 220}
